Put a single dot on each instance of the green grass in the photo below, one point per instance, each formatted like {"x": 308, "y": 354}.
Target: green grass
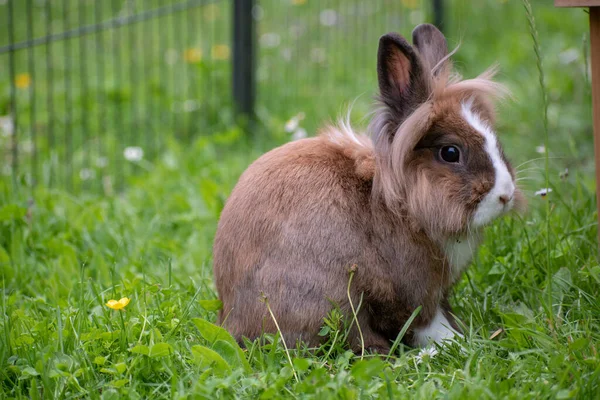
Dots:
{"x": 529, "y": 302}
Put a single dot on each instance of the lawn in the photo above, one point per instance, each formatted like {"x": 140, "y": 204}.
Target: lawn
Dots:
{"x": 529, "y": 302}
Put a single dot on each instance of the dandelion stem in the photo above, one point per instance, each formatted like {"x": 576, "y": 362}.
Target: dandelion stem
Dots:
{"x": 362, "y": 340}
{"x": 123, "y": 333}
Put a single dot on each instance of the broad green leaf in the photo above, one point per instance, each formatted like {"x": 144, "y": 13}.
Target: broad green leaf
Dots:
{"x": 121, "y": 367}
{"x": 562, "y": 280}
{"x": 110, "y": 394}
{"x": 110, "y": 371}
{"x": 579, "y": 344}
{"x": 232, "y": 354}
{"x": 211, "y": 333}
{"x": 112, "y": 335}
{"x": 160, "y": 350}
{"x": 34, "y": 394}
{"x": 140, "y": 349}
{"x": 497, "y": 269}
{"x": 24, "y": 340}
{"x": 301, "y": 364}
{"x": 119, "y": 383}
{"x": 98, "y": 360}
{"x": 365, "y": 370}
{"x": 210, "y": 359}
{"x": 28, "y": 372}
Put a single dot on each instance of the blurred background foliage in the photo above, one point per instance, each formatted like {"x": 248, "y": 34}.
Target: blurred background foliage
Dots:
{"x": 89, "y": 103}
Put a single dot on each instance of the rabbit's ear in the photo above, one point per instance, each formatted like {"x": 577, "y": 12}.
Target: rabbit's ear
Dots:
{"x": 431, "y": 44}
{"x": 403, "y": 84}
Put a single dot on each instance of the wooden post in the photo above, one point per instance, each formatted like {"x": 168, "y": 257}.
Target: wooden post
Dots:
{"x": 243, "y": 58}
{"x": 594, "y": 6}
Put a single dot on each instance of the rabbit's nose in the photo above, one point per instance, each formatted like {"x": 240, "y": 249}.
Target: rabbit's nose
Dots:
{"x": 504, "y": 199}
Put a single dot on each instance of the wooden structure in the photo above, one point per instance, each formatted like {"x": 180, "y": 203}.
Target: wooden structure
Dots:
{"x": 594, "y": 6}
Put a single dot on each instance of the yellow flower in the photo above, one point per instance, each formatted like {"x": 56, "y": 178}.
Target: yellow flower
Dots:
{"x": 22, "y": 81}
{"x": 298, "y": 2}
{"x": 220, "y": 52}
{"x": 118, "y": 305}
{"x": 192, "y": 55}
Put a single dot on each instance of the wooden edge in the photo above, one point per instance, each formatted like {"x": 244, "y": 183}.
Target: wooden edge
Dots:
{"x": 576, "y": 3}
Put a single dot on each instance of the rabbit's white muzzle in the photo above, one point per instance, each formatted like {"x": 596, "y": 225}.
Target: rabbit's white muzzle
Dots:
{"x": 500, "y": 199}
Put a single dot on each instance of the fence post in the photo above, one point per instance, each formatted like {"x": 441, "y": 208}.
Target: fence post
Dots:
{"x": 438, "y": 14}
{"x": 244, "y": 88}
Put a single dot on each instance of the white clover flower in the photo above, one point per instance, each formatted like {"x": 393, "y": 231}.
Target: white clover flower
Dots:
{"x": 541, "y": 149}
{"x": 270, "y": 40}
{"x": 286, "y": 54}
{"x": 190, "y": 105}
{"x": 101, "y": 162}
{"x": 133, "y": 153}
{"x": 258, "y": 13}
{"x": 426, "y": 354}
{"x": 6, "y": 126}
{"x": 86, "y": 174}
{"x": 543, "y": 192}
{"x": 300, "y": 133}
{"x": 293, "y": 123}
{"x": 328, "y": 17}
{"x": 568, "y": 56}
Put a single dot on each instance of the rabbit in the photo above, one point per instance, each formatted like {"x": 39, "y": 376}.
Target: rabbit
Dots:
{"x": 403, "y": 208}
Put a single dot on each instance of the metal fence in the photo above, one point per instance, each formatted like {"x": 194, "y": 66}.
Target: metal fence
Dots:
{"x": 90, "y": 89}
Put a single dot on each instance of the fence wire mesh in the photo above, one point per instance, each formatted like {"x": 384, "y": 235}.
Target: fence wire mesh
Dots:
{"x": 90, "y": 90}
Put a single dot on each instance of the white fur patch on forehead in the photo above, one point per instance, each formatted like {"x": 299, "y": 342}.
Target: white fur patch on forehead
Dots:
{"x": 500, "y": 198}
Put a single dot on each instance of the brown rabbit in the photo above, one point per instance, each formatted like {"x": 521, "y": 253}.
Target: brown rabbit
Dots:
{"x": 405, "y": 206}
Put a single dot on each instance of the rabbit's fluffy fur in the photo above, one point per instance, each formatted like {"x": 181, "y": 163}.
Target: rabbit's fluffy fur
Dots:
{"x": 390, "y": 205}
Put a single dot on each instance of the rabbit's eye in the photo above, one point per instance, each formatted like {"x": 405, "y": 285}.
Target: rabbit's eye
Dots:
{"x": 450, "y": 154}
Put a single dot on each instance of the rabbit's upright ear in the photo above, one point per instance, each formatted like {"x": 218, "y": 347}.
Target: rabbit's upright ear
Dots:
{"x": 432, "y": 47}
{"x": 403, "y": 81}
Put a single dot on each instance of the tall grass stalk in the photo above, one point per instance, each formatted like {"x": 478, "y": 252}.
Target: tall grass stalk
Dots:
{"x": 285, "y": 347}
{"x": 354, "y": 312}
{"x": 542, "y": 82}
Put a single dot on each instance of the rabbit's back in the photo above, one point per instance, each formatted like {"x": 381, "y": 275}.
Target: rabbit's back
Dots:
{"x": 294, "y": 223}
